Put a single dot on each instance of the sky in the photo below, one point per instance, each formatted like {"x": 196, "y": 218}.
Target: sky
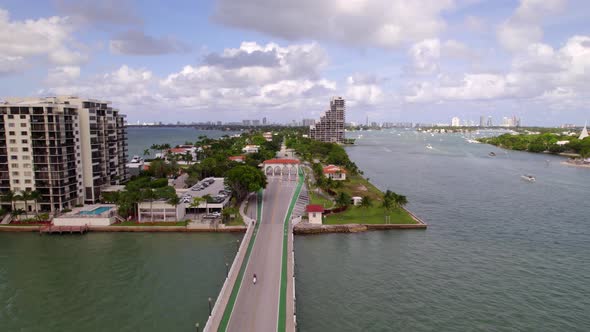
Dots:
{"x": 228, "y": 60}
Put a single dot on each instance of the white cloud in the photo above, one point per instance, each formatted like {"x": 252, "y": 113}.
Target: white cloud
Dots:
{"x": 47, "y": 37}
{"x": 427, "y": 54}
{"x": 236, "y": 83}
{"x": 63, "y": 75}
{"x": 374, "y": 23}
{"x": 11, "y": 64}
{"x": 524, "y": 26}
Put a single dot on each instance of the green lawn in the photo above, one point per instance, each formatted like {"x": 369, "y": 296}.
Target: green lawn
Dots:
{"x": 155, "y": 223}
{"x": 356, "y": 185}
{"x": 237, "y": 221}
{"x": 371, "y": 215}
{"x": 320, "y": 200}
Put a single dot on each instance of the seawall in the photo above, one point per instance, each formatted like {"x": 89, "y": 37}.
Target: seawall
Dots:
{"x": 137, "y": 229}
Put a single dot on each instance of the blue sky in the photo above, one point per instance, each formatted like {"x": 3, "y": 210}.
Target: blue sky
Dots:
{"x": 392, "y": 60}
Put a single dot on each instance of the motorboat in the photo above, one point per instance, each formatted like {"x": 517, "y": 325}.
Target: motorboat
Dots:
{"x": 428, "y": 146}
{"x": 492, "y": 154}
{"x": 528, "y": 178}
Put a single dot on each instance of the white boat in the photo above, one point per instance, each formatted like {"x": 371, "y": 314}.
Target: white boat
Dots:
{"x": 428, "y": 146}
{"x": 528, "y": 178}
{"x": 472, "y": 141}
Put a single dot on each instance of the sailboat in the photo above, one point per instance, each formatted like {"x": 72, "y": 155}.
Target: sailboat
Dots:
{"x": 584, "y": 132}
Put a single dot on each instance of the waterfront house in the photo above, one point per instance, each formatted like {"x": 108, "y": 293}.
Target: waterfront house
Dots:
{"x": 356, "y": 200}
{"x": 314, "y": 213}
{"x": 335, "y": 173}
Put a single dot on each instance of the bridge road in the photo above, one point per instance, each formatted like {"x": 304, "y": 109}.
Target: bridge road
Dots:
{"x": 257, "y": 306}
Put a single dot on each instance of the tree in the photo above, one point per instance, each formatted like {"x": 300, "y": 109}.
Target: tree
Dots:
{"x": 196, "y": 202}
{"x": 9, "y": 196}
{"x": 343, "y": 199}
{"x": 244, "y": 179}
{"x": 174, "y": 201}
{"x": 149, "y": 194}
{"x": 35, "y": 196}
{"x": 366, "y": 202}
{"x": 146, "y": 152}
{"x": 17, "y": 213}
{"x": 188, "y": 157}
{"x": 401, "y": 201}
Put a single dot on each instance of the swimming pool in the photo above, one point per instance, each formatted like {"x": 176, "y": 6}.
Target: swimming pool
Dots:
{"x": 96, "y": 211}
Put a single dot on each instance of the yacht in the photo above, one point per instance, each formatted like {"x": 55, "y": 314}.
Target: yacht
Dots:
{"x": 528, "y": 178}
{"x": 428, "y": 146}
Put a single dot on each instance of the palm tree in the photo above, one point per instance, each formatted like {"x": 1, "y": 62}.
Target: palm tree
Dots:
{"x": 146, "y": 152}
{"x": 17, "y": 213}
{"x": 9, "y": 196}
{"x": 174, "y": 201}
{"x": 150, "y": 195}
{"x": 401, "y": 201}
{"x": 188, "y": 157}
{"x": 207, "y": 198}
{"x": 35, "y": 196}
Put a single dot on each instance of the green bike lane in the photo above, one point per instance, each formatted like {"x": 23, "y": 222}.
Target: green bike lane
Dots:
{"x": 236, "y": 288}
{"x": 282, "y": 319}
{"x": 262, "y": 307}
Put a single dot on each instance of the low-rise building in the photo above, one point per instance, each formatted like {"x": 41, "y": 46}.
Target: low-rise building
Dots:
{"x": 356, "y": 200}
{"x": 335, "y": 173}
{"x": 267, "y": 136}
{"x": 160, "y": 210}
{"x": 251, "y": 149}
{"x": 314, "y": 213}
{"x": 238, "y": 159}
{"x": 288, "y": 168}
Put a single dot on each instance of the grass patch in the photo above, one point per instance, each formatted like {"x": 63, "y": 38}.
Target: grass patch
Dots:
{"x": 371, "y": 215}
{"x": 155, "y": 223}
{"x": 315, "y": 198}
{"x": 237, "y": 221}
{"x": 356, "y": 185}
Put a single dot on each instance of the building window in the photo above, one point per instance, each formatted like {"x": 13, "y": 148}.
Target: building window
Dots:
{"x": 23, "y": 116}
{"x": 24, "y": 133}
{"x": 11, "y": 133}
{"x": 27, "y": 181}
{"x": 26, "y": 158}
{"x": 14, "y": 165}
{"x": 13, "y": 157}
{"x": 13, "y": 149}
{"x": 14, "y": 173}
{"x": 10, "y": 116}
{"x": 27, "y": 165}
{"x": 11, "y": 125}
{"x": 15, "y": 181}
{"x": 23, "y": 125}
{"x": 25, "y": 141}
{"x": 25, "y": 149}
{"x": 28, "y": 173}
{"x": 12, "y": 141}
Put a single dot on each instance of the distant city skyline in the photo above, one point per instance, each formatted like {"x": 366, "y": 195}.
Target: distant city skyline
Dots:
{"x": 398, "y": 61}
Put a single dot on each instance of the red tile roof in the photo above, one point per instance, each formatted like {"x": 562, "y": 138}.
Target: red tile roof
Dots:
{"x": 282, "y": 161}
{"x": 236, "y": 158}
{"x": 334, "y": 169}
{"x": 178, "y": 150}
{"x": 315, "y": 208}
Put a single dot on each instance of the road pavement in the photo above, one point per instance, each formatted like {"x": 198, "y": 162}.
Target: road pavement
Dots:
{"x": 257, "y": 306}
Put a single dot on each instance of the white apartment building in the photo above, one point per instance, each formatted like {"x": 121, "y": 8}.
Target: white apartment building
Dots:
{"x": 455, "y": 122}
{"x": 330, "y": 128}
{"x": 65, "y": 148}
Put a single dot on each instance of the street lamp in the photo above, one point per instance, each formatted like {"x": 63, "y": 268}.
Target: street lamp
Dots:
{"x": 226, "y": 270}
{"x": 238, "y": 245}
{"x": 197, "y": 326}
{"x": 209, "y": 307}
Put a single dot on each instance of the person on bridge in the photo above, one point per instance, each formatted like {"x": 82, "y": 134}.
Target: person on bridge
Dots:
{"x": 254, "y": 279}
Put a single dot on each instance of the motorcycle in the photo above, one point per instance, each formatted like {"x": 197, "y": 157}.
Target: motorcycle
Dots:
{"x": 254, "y": 280}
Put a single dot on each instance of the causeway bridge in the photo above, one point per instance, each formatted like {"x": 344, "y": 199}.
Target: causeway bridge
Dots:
{"x": 267, "y": 251}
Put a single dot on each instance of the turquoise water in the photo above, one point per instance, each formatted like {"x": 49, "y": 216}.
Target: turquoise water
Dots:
{"x": 98, "y": 210}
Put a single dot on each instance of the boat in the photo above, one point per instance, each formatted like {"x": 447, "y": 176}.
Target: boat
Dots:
{"x": 528, "y": 178}
{"x": 473, "y": 141}
{"x": 428, "y": 146}
{"x": 492, "y": 154}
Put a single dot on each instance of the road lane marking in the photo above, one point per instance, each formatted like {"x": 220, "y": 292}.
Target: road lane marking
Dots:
{"x": 225, "y": 319}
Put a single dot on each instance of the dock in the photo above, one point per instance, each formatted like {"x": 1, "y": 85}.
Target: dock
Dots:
{"x": 52, "y": 229}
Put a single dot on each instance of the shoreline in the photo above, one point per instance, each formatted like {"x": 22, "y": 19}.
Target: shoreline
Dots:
{"x": 137, "y": 229}
{"x": 575, "y": 165}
